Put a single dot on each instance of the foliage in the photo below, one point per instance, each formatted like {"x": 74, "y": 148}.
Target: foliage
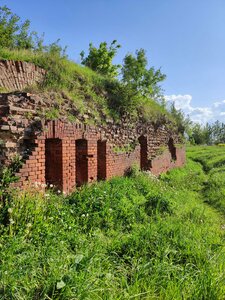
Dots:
{"x": 140, "y": 79}
{"x": 13, "y": 33}
{"x": 208, "y": 134}
{"x": 137, "y": 237}
{"x": 87, "y": 91}
{"x": 97, "y": 95}
{"x": 212, "y": 158}
{"x": 100, "y": 59}
{"x": 7, "y": 176}
{"x": 183, "y": 122}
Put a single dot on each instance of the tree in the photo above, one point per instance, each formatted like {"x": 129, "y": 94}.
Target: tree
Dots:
{"x": 183, "y": 123}
{"x": 13, "y": 33}
{"x": 100, "y": 59}
{"x": 198, "y": 134}
{"x": 142, "y": 80}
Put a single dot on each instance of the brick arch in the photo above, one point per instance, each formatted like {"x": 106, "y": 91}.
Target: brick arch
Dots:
{"x": 143, "y": 152}
{"x": 172, "y": 149}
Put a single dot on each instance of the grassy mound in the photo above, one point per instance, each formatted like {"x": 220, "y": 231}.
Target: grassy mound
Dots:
{"x": 90, "y": 94}
{"x": 128, "y": 238}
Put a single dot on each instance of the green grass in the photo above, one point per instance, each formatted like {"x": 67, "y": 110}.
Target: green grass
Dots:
{"x": 86, "y": 92}
{"x": 212, "y": 158}
{"x": 128, "y": 238}
{"x": 209, "y": 156}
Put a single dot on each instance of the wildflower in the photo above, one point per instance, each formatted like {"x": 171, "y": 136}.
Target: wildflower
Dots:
{"x": 83, "y": 215}
{"x": 47, "y": 195}
{"x": 29, "y": 225}
{"x": 36, "y": 184}
{"x": 43, "y": 185}
{"x": 11, "y": 221}
{"x": 110, "y": 209}
{"x": 10, "y": 210}
{"x": 87, "y": 215}
{"x": 51, "y": 185}
{"x": 58, "y": 191}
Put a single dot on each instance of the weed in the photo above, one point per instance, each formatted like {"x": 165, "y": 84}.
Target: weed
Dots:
{"x": 137, "y": 237}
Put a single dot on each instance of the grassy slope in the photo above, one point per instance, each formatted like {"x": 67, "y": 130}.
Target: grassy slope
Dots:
{"x": 212, "y": 158}
{"x": 88, "y": 92}
{"x": 128, "y": 238}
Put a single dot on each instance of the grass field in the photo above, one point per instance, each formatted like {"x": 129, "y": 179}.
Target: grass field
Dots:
{"x": 137, "y": 237}
{"x": 212, "y": 158}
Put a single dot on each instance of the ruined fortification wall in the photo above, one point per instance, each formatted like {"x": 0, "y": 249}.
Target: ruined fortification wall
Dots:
{"x": 16, "y": 75}
{"x": 69, "y": 154}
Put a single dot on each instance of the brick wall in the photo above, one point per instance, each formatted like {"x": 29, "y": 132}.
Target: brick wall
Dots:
{"x": 69, "y": 154}
{"x": 165, "y": 161}
{"x": 16, "y": 75}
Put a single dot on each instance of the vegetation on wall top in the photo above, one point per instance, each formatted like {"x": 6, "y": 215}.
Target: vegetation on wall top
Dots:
{"x": 94, "y": 89}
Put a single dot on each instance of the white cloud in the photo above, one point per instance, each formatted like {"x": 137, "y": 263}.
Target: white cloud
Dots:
{"x": 181, "y": 101}
{"x": 219, "y": 103}
{"x": 198, "y": 114}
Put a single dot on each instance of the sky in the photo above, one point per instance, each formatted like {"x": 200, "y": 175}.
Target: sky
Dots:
{"x": 185, "y": 38}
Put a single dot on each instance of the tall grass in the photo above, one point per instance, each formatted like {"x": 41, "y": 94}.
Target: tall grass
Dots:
{"x": 128, "y": 238}
{"x": 212, "y": 158}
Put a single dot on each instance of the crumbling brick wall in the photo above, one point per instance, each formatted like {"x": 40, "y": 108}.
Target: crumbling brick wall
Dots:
{"x": 68, "y": 154}
{"x": 16, "y": 75}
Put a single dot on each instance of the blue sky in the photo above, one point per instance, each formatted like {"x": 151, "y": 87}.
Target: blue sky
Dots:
{"x": 186, "y": 38}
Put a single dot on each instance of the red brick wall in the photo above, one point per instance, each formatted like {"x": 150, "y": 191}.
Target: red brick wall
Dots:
{"x": 119, "y": 163}
{"x": 68, "y": 155}
{"x": 33, "y": 169}
{"x": 16, "y": 75}
{"x": 165, "y": 162}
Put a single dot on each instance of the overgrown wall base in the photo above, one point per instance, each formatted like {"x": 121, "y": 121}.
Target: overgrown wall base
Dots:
{"x": 67, "y": 156}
